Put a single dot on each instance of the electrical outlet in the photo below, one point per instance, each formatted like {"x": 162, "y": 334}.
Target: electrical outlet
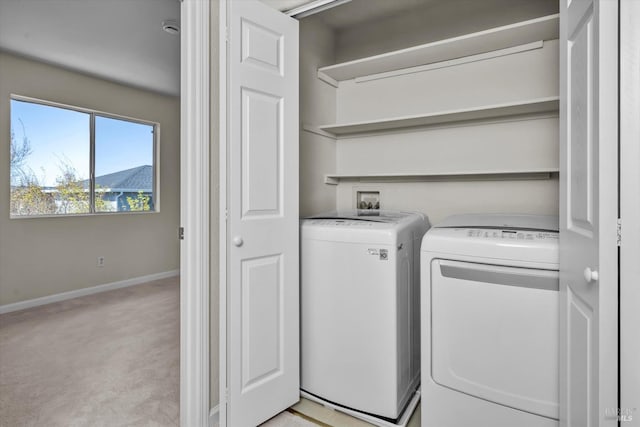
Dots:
{"x": 100, "y": 262}
{"x": 368, "y": 200}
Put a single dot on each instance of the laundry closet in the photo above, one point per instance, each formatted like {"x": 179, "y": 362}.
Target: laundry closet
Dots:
{"x": 436, "y": 106}
{"x": 442, "y": 107}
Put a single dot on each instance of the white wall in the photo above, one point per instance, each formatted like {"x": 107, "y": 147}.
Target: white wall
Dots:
{"x": 214, "y": 225}
{"x": 630, "y": 211}
{"x": 440, "y": 199}
{"x": 317, "y": 106}
{"x": 46, "y": 256}
{"x": 510, "y": 78}
{"x": 434, "y": 20}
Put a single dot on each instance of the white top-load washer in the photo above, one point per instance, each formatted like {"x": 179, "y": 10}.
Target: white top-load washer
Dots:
{"x": 490, "y": 322}
{"x": 360, "y": 309}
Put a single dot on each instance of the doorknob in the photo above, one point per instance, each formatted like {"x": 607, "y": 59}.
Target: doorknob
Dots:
{"x": 590, "y": 275}
{"x": 238, "y": 241}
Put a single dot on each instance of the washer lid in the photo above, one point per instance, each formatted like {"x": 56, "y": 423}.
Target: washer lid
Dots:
{"x": 367, "y": 215}
{"x": 502, "y": 221}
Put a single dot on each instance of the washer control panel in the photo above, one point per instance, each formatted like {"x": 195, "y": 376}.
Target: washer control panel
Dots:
{"x": 343, "y": 223}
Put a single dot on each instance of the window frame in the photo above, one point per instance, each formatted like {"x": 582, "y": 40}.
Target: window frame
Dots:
{"x": 92, "y": 160}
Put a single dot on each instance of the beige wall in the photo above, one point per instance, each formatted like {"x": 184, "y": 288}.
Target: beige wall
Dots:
{"x": 46, "y": 256}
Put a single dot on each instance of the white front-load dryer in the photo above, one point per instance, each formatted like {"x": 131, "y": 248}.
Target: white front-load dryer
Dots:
{"x": 360, "y": 309}
{"x": 489, "y": 302}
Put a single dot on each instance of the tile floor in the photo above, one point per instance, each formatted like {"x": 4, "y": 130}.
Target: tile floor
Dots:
{"x": 288, "y": 419}
{"x": 308, "y": 413}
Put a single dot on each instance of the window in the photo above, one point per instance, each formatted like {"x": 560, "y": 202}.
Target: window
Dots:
{"x": 67, "y": 161}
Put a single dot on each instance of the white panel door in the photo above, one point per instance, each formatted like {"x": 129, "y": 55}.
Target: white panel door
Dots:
{"x": 588, "y": 213}
{"x": 263, "y": 279}
{"x": 630, "y": 213}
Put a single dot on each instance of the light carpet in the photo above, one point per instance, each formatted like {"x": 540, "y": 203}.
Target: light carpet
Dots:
{"x": 109, "y": 359}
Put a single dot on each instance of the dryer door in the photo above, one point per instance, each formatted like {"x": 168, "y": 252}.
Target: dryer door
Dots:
{"x": 495, "y": 333}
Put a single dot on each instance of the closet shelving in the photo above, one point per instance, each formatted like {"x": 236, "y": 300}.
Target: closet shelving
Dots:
{"x": 496, "y": 111}
{"x": 496, "y": 175}
{"x": 543, "y": 28}
{"x": 485, "y": 44}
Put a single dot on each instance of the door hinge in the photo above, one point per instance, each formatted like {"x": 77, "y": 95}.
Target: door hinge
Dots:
{"x": 619, "y": 229}
{"x": 181, "y": 233}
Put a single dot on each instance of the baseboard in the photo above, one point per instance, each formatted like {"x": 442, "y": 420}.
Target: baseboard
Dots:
{"x": 21, "y": 305}
{"x": 214, "y": 416}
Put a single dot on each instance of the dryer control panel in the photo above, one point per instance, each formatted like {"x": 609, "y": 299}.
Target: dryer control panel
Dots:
{"x": 525, "y": 239}
{"x": 510, "y": 234}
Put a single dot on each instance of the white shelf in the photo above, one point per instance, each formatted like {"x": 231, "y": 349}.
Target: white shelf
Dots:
{"x": 544, "y": 28}
{"x": 544, "y": 173}
{"x": 523, "y": 108}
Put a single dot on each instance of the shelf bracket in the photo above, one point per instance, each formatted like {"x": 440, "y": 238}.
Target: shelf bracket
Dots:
{"x": 330, "y": 180}
{"x": 314, "y": 129}
{"x": 325, "y": 78}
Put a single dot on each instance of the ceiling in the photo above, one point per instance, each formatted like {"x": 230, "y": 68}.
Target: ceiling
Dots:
{"x": 120, "y": 40}
{"x": 123, "y": 40}
{"x": 358, "y": 12}
{"x": 286, "y": 4}
{"x": 355, "y": 12}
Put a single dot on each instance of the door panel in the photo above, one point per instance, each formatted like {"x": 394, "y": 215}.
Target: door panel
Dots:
{"x": 262, "y": 47}
{"x": 263, "y": 279}
{"x": 580, "y": 47}
{"x": 588, "y": 212}
{"x": 261, "y": 150}
{"x": 580, "y": 315}
{"x": 262, "y": 321}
